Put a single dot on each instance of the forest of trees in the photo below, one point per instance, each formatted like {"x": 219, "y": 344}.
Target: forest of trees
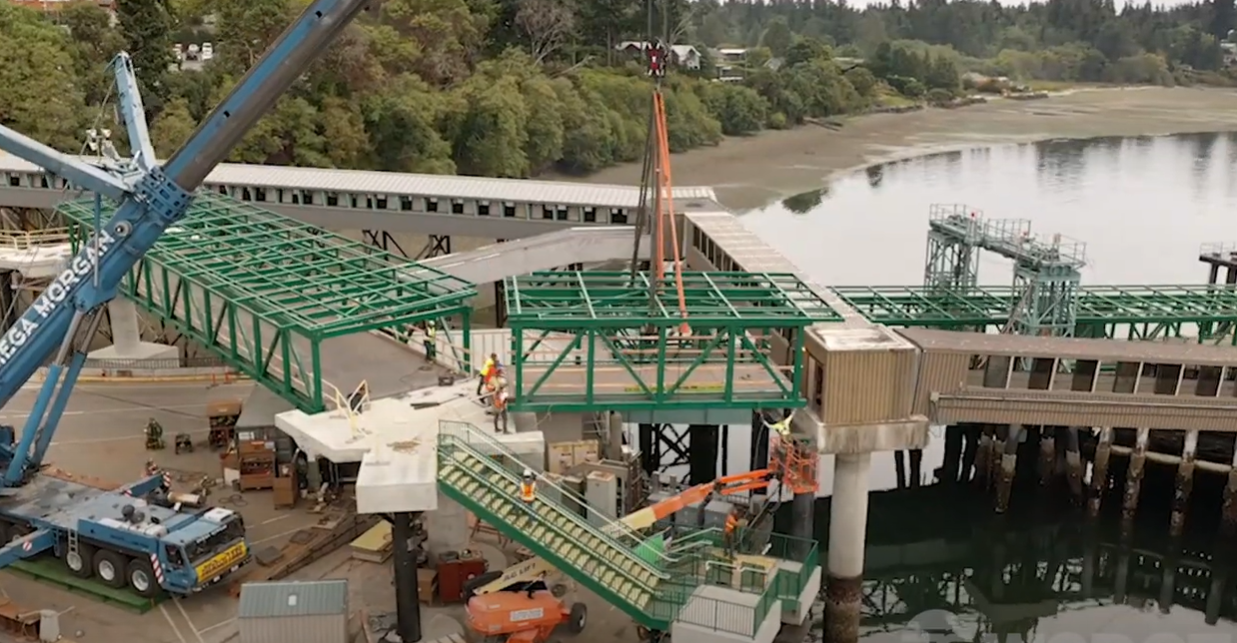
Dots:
{"x": 516, "y": 87}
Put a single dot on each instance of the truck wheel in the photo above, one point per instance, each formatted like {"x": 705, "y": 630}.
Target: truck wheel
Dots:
{"x": 142, "y": 578}
{"x": 109, "y": 567}
{"x": 578, "y": 618}
{"x": 80, "y": 562}
{"x": 16, "y": 531}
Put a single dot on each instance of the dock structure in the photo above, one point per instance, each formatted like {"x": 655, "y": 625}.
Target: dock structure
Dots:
{"x": 337, "y": 329}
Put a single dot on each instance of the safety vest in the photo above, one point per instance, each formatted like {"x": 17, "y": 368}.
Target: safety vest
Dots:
{"x": 430, "y": 331}
{"x": 500, "y": 400}
{"x": 528, "y": 491}
{"x": 487, "y": 368}
{"x": 732, "y": 523}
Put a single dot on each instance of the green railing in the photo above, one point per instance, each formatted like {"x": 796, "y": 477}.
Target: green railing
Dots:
{"x": 789, "y": 583}
{"x": 571, "y": 503}
{"x": 503, "y": 464}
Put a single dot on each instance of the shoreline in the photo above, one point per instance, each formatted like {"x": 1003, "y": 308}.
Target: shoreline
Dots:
{"x": 752, "y": 172}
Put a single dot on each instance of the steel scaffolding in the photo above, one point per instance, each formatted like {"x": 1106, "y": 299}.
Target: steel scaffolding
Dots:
{"x": 1047, "y": 276}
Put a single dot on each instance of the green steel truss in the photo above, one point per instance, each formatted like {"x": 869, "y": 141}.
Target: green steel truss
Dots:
{"x": 264, "y": 291}
{"x": 587, "y": 340}
{"x": 1116, "y": 312}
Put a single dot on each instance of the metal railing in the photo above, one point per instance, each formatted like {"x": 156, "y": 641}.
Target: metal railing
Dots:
{"x": 156, "y": 364}
{"x": 351, "y": 406}
{"x": 22, "y": 240}
{"x": 727, "y": 616}
{"x": 496, "y": 455}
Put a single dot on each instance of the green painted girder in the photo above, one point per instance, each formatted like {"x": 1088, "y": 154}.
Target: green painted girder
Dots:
{"x": 263, "y": 291}
{"x": 1100, "y": 308}
{"x": 596, "y": 560}
{"x": 567, "y": 300}
{"x": 583, "y": 341}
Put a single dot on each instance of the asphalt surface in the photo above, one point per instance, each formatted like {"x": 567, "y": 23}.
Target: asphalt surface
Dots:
{"x": 102, "y": 434}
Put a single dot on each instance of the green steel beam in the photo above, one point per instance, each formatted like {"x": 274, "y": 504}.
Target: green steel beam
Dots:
{"x": 572, "y": 300}
{"x": 594, "y": 340}
{"x": 1143, "y": 312}
{"x": 263, "y": 291}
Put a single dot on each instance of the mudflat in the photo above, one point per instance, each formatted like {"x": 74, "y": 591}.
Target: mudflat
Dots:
{"x": 749, "y": 172}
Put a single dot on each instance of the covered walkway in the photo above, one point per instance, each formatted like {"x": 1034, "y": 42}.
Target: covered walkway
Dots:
{"x": 288, "y": 304}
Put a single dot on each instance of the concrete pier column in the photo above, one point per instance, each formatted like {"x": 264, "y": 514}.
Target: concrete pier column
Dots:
{"x": 614, "y": 435}
{"x": 1134, "y": 477}
{"x": 1168, "y": 578}
{"x": 1073, "y": 462}
{"x": 1047, "y": 454}
{"x": 1099, "y": 471}
{"x": 127, "y": 341}
{"x": 446, "y": 527}
{"x": 848, "y": 522}
{"x": 1009, "y": 464}
{"x": 407, "y": 605}
{"x": 1185, "y": 483}
{"x": 899, "y": 468}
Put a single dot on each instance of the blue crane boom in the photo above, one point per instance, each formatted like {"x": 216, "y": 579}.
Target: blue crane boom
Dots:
{"x": 148, "y": 202}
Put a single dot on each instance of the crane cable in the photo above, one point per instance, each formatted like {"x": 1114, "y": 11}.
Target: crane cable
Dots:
{"x": 666, "y": 209}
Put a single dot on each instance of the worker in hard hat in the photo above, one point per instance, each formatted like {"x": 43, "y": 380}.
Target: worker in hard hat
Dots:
{"x": 528, "y": 486}
{"x": 154, "y": 435}
{"x": 499, "y": 395}
{"x": 731, "y": 532}
{"x": 781, "y": 427}
{"x": 151, "y": 468}
{"x": 487, "y": 371}
{"x": 431, "y": 348}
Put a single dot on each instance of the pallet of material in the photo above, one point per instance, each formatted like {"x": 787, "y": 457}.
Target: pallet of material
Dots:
{"x": 374, "y": 546}
{"x": 307, "y": 546}
{"x": 19, "y": 620}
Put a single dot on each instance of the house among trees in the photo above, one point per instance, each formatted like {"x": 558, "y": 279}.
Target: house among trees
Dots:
{"x": 685, "y": 56}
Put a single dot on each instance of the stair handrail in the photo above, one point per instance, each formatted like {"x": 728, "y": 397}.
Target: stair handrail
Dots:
{"x": 450, "y": 446}
{"x": 468, "y": 434}
{"x": 611, "y": 526}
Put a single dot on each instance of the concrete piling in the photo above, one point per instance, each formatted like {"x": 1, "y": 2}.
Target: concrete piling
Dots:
{"x": 983, "y": 454}
{"x": 1230, "y": 498}
{"x": 1099, "y": 471}
{"x": 1073, "y": 462}
{"x": 1185, "y": 483}
{"x": 1009, "y": 464}
{"x": 848, "y": 522}
{"x": 1047, "y": 455}
{"x": 1134, "y": 477}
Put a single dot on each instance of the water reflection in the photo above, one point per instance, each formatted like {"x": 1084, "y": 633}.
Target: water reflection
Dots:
{"x": 1036, "y": 572}
{"x": 1143, "y": 205}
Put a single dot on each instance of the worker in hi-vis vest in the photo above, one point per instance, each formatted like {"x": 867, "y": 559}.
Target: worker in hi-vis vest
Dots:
{"x": 431, "y": 347}
{"x": 487, "y": 371}
{"x": 528, "y": 486}
{"x": 731, "y": 531}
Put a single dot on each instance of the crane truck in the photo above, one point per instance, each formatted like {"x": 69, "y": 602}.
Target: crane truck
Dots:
{"x": 138, "y": 535}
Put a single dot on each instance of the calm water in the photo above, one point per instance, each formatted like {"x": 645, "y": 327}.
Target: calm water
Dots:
{"x": 1143, "y": 206}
